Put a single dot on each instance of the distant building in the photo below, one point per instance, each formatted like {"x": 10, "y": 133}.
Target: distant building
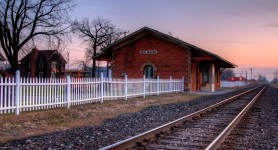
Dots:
{"x": 77, "y": 73}
{"x": 42, "y": 63}
{"x": 152, "y": 53}
{"x": 233, "y": 79}
{"x": 106, "y": 71}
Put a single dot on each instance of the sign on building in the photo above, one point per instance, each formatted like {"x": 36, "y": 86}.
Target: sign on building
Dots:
{"x": 148, "y": 52}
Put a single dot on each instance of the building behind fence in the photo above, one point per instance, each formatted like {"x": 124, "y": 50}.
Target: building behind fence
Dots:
{"x": 27, "y": 94}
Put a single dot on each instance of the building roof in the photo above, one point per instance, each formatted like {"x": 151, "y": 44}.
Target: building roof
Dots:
{"x": 2, "y": 58}
{"x": 107, "y": 51}
{"x": 46, "y": 54}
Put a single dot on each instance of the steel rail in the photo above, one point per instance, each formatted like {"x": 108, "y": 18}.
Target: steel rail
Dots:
{"x": 146, "y": 136}
{"x": 222, "y": 136}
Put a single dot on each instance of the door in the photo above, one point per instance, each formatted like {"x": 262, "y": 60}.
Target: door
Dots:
{"x": 148, "y": 72}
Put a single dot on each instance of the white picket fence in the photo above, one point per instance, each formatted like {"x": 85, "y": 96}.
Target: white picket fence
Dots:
{"x": 28, "y": 94}
{"x": 232, "y": 84}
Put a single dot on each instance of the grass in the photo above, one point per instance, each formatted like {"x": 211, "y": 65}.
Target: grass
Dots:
{"x": 44, "y": 121}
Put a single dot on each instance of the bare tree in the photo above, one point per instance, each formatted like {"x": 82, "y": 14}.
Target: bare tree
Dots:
{"x": 98, "y": 33}
{"x": 225, "y": 74}
{"x": 29, "y": 21}
{"x": 262, "y": 79}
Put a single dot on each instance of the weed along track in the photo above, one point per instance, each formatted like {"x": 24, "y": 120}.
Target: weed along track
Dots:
{"x": 206, "y": 128}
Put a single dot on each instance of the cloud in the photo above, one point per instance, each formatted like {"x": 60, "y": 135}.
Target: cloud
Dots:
{"x": 270, "y": 25}
{"x": 241, "y": 42}
{"x": 229, "y": 13}
{"x": 273, "y": 8}
{"x": 236, "y": 42}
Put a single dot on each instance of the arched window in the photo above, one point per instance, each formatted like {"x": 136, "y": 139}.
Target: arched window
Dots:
{"x": 148, "y": 72}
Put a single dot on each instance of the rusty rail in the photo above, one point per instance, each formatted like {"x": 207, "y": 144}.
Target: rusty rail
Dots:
{"x": 146, "y": 136}
{"x": 222, "y": 136}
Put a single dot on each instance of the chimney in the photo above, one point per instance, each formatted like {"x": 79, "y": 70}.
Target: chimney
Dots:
{"x": 33, "y": 60}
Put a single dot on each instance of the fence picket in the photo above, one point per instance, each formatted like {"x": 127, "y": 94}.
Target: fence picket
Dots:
{"x": 1, "y": 93}
{"x": 27, "y": 94}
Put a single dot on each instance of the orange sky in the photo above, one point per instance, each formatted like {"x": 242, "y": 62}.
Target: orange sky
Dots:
{"x": 244, "y": 32}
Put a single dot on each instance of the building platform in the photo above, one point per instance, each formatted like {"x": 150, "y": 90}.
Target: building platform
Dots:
{"x": 218, "y": 91}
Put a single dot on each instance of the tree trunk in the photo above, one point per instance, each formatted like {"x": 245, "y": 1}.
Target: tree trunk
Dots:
{"x": 15, "y": 66}
{"x": 14, "y": 63}
{"x": 94, "y": 61}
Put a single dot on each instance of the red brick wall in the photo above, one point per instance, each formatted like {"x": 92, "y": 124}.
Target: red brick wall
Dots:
{"x": 170, "y": 60}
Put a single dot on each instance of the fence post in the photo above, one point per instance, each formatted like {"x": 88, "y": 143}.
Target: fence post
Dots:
{"x": 125, "y": 87}
{"x": 157, "y": 84}
{"x": 182, "y": 84}
{"x": 101, "y": 87}
{"x": 171, "y": 84}
{"x": 17, "y": 92}
{"x": 68, "y": 91}
{"x": 144, "y": 86}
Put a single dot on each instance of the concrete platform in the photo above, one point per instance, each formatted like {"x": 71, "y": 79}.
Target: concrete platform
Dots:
{"x": 218, "y": 91}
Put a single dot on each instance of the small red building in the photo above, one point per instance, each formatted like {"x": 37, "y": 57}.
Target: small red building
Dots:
{"x": 233, "y": 79}
{"x": 42, "y": 64}
{"x": 150, "y": 52}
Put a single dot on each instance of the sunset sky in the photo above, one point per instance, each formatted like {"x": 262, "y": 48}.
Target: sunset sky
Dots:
{"x": 244, "y": 32}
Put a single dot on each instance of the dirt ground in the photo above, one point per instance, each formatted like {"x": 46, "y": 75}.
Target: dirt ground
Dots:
{"x": 44, "y": 121}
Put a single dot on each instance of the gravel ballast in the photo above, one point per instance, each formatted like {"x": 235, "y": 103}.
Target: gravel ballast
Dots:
{"x": 119, "y": 128}
{"x": 259, "y": 128}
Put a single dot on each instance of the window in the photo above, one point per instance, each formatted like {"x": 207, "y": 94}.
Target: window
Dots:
{"x": 41, "y": 65}
{"x": 205, "y": 74}
{"x": 40, "y": 74}
{"x": 53, "y": 75}
{"x": 53, "y": 66}
{"x": 29, "y": 65}
{"x": 74, "y": 74}
{"x": 53, "y": 69}
{"x": 148, "y": 72}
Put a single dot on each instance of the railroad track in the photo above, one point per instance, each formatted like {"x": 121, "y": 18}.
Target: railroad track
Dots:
{"x": 204, "y": 129}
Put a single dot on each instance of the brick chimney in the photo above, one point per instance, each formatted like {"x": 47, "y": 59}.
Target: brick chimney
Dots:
{"x": 34, "y": 57}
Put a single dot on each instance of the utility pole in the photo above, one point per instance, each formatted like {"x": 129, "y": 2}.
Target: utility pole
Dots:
{"x": 241, "y": 73}
{"x": 275, "y": 75}
{"x": 246, "y": 76}
{"x": 251, "y": 73}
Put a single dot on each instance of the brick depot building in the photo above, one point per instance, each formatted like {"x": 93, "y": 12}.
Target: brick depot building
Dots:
{"x": 150, "y": 52}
